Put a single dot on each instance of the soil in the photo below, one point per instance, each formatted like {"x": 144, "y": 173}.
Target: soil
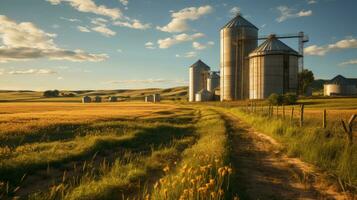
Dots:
{"x": 264, "y": 171}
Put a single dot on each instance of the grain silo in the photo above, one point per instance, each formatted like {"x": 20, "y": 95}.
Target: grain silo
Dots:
{"x": 199, "y": 72}
{"x": 273, "y": 68}
{"x": 340, "y": 86}
{"x": 238, "y": 38}
{"x": 203, "y": 95}
{"x": 213, "y": 82}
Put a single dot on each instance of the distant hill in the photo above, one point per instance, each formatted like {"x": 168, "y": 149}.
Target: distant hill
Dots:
{"x": 175, "y": 93}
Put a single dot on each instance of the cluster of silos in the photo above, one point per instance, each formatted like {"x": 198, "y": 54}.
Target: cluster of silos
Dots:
{"x": 273, "y": 68}
{"x": 248, "y": 71}
{"x": 238, "y": 38}
{"x": 202, "y": 82}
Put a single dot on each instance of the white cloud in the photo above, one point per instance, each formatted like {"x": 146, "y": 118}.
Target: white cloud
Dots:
{"x": 119, "y": 50}
{"x": 199, "y": 46}
{"x": 89, "y": 6}
{"x": 32, "y": 71}
{"x": 134, "y": 24}
{"x": 104, "y": 30}
{"x": 176, "y": 39}
{"x": 60, "y": 78}
{"x": 190, "y": 54}
{"x": 83, "y": 29}
{"x": 288, "y": 13}
{"x": 235, "y": 10}
{"x": 22, "y": 41}
{"x": 311, "y": 1}
{"x": 55, "y": 26}
{"x": 124, "y": 2}
{"x": 70, "y": 19}
{"x": 322, "y": 50}
{"x": 349, "y": 62}
{"x": 180, "y": 18}
{"x": 150, "y": 45}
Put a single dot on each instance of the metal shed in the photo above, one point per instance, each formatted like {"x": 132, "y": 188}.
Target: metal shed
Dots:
{"x": 273, "y": 68}
{"x": 198, "y": 74}
{"x": 340, "y": 86}
{"x": 238, "y": 38}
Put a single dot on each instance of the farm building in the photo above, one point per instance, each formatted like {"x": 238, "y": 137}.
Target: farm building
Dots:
{"x": 273, "y": 68}
{"x": 152, "y": 98}
{"x": 198, "y": 74}
{"x": 340, "y": 86}
{"x": 86, "y": 99}
{"x": 98, "y": 99}
{"x": 113, "y": 99}
{"x": 213, "y": 81}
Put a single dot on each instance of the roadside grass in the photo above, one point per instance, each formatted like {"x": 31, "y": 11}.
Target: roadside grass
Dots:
{"x": 204, "y": 172}
{"x": 326, "y": 148}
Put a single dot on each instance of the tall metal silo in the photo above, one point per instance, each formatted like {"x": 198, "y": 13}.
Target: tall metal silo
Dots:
{"x": 273, "y": 68}
{"x": 238, "y": 38}
{"x": 213, "y": 81}
{"x": 198, "y": 74}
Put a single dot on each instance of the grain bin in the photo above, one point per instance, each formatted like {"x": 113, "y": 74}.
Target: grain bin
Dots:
{"x": 98, "y": 99}
{"x": 86, "y": 99}
{"x": 340, "y": 86}
{"x": 273, "y": 68}
{"x": 113, "y": 99}
{"x": 213, "y": 81}
{"x": 203, "y": 95}
{"x": 238, "y": 38}
{"x": 198, "y": 74}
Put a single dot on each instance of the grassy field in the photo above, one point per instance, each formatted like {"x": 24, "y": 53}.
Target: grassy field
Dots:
{"x": 111, "y": 150}
{"x": 171, "y": 150}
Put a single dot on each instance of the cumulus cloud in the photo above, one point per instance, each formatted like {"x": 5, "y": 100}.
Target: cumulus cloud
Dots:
{"x": 83, "y": 29}
{"x": 176, "y": 39}
{"x": 199, "y": 46}
{"x": 104, "y": 30}
{"x": 349, "y": 62}
{"x": 70, "y": 19}
{"x": 89, "y": 6}
{"x": 21, "y": 41}
{"x": 288, "y": 13}
{"x": 60, "y": 78}
{"x": 32, "y": 71}
{"x": 124, "y": 2}
{"x": 323, "y": 50}
{"x": 134, "y": 24}
{"x": 150, "y": 45}
{"x": 235, "y": 10}
{"x": 180, "y": 18}
{"x": 190, "y": 54}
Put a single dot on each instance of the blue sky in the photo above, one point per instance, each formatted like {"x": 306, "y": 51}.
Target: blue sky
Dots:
{"x": 112, "y": 44}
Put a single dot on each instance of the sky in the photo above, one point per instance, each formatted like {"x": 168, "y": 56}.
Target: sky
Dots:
{"x": 115, "y": 44}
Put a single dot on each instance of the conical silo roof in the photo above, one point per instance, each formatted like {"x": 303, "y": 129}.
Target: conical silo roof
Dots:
{"x": 239, "y": 21}
{"x": 201, "y": 64}
{"x": 273, "y": 46}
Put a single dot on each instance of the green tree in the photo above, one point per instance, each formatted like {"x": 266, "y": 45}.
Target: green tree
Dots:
{"x": 306, "y": 77}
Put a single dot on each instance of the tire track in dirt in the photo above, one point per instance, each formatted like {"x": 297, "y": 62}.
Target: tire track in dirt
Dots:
{"x": 263, "y": 171}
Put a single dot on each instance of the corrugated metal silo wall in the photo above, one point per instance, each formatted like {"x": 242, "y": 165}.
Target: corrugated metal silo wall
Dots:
{"x": 197, "y": 81}
{"x": 266, "y": 74}
{"x": 212, "y": 83}
{"x": 235, "y": 65}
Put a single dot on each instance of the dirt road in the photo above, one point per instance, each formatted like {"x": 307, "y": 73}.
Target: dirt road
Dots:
{"x": 265, "y": 172}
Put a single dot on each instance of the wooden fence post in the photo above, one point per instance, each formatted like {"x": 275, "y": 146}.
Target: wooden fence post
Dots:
{"x": 292, "y": 114}
{"x": 283, "y": 112}
{"x": 324, "y": 119}
{"x": 348, "y": 128}
{"x": 301, "y": 115}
